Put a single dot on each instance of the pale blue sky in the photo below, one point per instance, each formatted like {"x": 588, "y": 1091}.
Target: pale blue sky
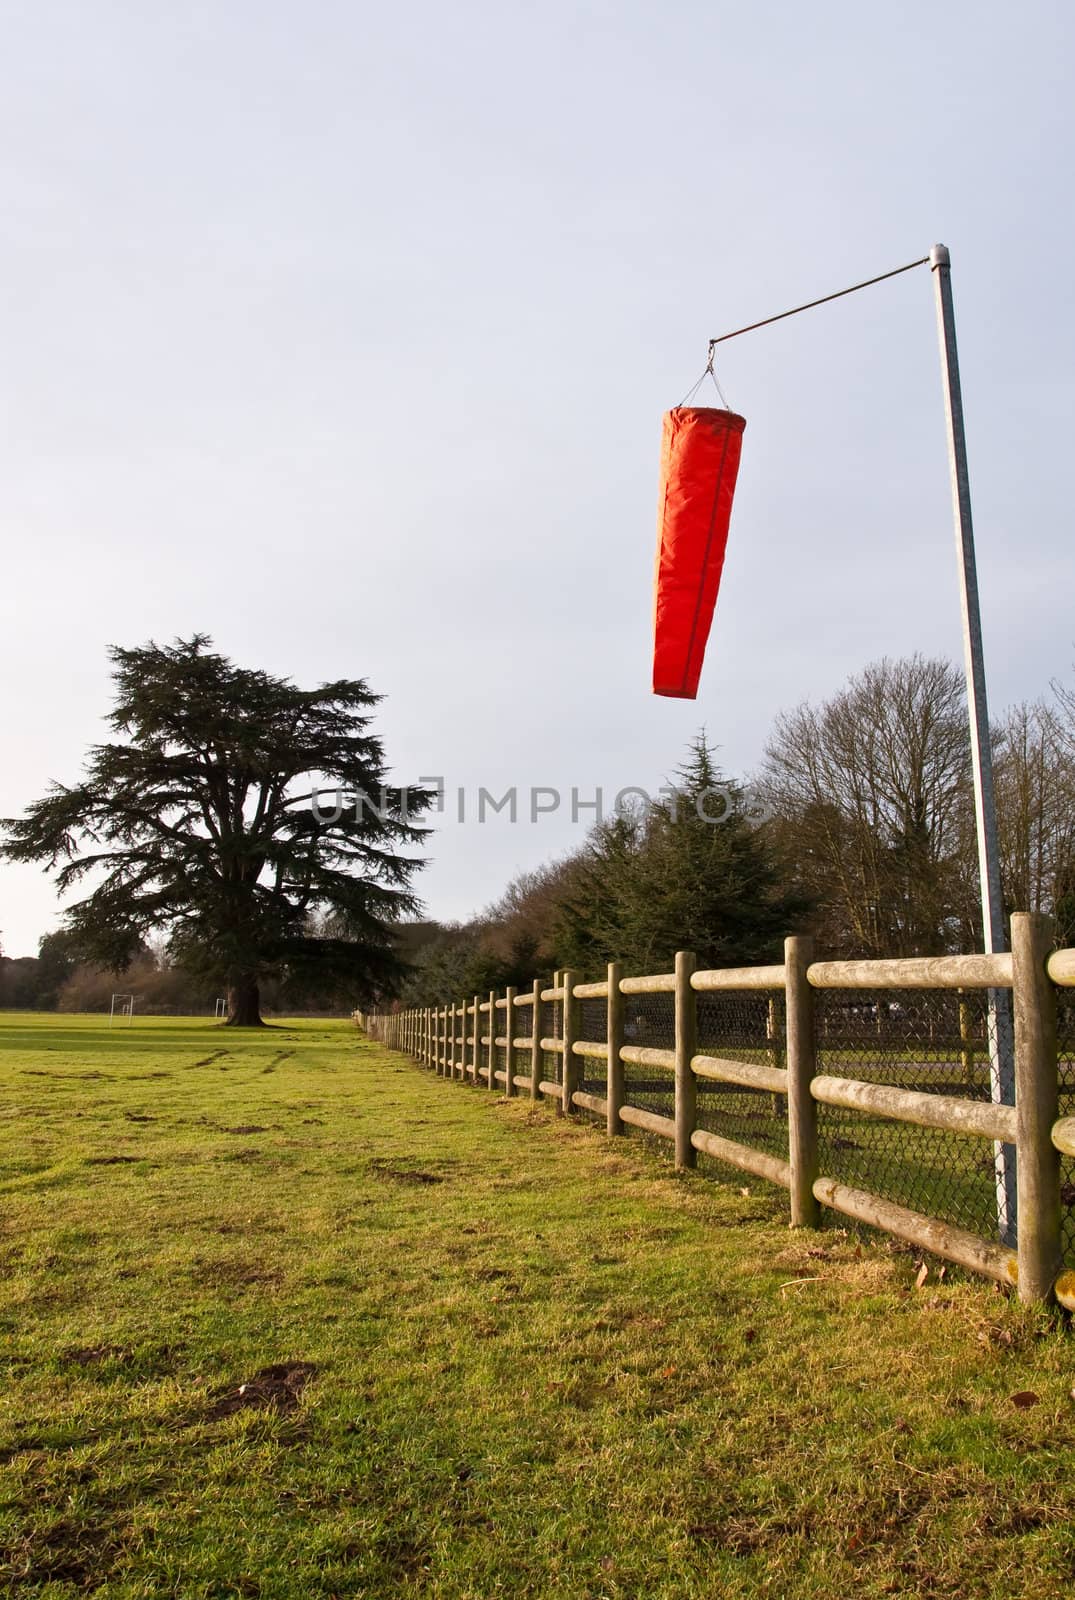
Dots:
{"x": 344, "y": 333}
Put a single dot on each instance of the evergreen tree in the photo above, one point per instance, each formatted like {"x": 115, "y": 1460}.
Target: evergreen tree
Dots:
{"x": 693, "y": 873}
{"x": 191, "y": 823}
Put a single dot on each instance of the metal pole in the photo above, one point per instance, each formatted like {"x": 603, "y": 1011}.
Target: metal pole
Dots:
{"x": 1001, "y": 1046}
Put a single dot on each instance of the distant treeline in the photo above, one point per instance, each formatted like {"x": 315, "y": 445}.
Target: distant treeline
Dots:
{"x": 859, "y": 827}
{"x": 56, "y": 980}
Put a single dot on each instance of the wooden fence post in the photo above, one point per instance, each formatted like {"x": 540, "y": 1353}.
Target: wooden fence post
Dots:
{"x": 1037, "y": 1105}
{"x": 475, "y": 1041}
{"x": 491, "y": 1048}
{"x": 686, "y": 1046}
{"x": 509, "y": 1053}
{"x": 614, "y": 1029}
{"x": 535, "y": 1040}
{"x": 461, "y": 1063}
{"x": 801, "y": 1067}
{"x": 570, "y": 1064}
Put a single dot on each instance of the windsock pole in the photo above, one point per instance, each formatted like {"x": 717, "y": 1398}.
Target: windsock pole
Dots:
{"x": 1001, "y": 1042}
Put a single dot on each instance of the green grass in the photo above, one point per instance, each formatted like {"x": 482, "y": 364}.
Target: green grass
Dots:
{"x": 536, "y": 1365}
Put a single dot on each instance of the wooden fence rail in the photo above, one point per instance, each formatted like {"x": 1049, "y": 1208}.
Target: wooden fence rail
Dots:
{"x": 463, "y": 1041}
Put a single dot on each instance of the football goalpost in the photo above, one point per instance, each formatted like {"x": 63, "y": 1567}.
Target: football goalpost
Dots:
{"x": 122, "y": 1006}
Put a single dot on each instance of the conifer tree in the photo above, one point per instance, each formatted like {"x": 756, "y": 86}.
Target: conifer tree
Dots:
{"x": 198, "y": 821}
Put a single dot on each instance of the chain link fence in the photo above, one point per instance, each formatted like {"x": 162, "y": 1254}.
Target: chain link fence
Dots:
{"x": 552, "y": 1027}
{"x": 933, "y": 1041}
{"x": 742, "y": 1026}
{"x": 927, "y": 1041}
{"x": 499, "y": 1031}
{"x": 649, "y": 1021}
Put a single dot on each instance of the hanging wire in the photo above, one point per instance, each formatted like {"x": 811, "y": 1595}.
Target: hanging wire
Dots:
{"x": 707, "y": 373}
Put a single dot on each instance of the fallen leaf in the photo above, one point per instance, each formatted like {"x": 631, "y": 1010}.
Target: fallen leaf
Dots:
{"x": 745, "y": 1192}
{"x": 923, "y": 1274}
{"x": 669, "y": 1372}
{"x": 1024, "y": 1399}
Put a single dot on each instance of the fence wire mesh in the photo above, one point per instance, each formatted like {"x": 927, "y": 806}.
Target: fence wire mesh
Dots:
{"x": 593, "y": 1026}
{"x": 740, "y": 1026}
{"x": 552, "y": 1027}
{"x": 1065, "y": 1038}
{"x": 934, "y": 1042}
{"x": 649, "y": 1020}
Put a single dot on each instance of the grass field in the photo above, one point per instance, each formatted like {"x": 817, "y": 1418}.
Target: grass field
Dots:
{"x": 284, "y": 1316}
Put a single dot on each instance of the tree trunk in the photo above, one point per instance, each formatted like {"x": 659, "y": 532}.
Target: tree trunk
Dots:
{"x": 244, "y": 1004}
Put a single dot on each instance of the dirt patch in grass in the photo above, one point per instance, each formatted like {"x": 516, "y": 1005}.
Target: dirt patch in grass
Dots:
{"x": 275, "y": 1388}
{"x": 40, "y": 1072}
{"x": 112, "y": 1161}
{"x": 400, "y": 1171}
{"x": 281, "y": 1055}
{"x": 152, "y": 1360}
{"x": 242, "y": 1274}
{"x": 64, "y": 1551}
{"x": 89, "y": 1355}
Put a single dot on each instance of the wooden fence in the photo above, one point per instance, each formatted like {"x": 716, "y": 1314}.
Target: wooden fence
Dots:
{"x": 464, "y": 1041}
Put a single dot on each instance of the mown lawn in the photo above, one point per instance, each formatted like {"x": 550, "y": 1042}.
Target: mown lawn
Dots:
{"x": 484, "y": 1353}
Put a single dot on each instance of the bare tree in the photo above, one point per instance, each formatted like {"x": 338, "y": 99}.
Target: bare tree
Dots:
{"x": 873, "y": 810}
{"x": 1036, "y": 808}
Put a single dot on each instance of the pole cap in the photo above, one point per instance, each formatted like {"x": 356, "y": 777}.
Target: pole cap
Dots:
{"x": 939, "y": 257}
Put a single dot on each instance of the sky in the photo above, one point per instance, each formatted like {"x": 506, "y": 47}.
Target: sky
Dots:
{"x": 343, "y": 332}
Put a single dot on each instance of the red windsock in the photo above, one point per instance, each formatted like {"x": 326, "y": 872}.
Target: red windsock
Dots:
{"x": 699, "y": 463}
